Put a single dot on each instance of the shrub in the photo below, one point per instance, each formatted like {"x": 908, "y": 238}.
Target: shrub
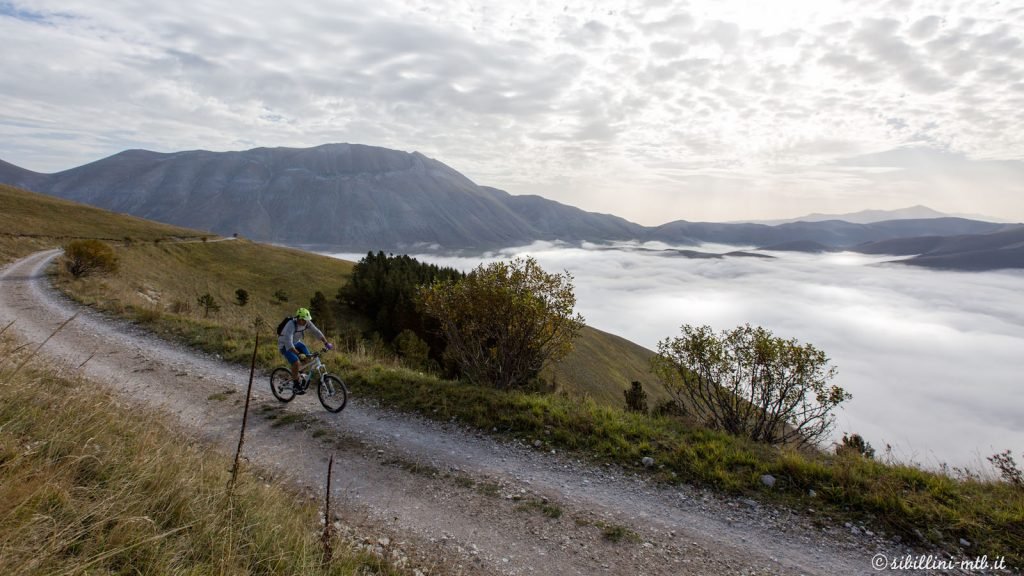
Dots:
{"x": 280, "y": 295}
{"x": 857, "y": 444}
{"x": 85, "y": 257}
{"x": 670, "y": 408}
{"x": 412, "y": 349}
{"x": 241, "y": 296}
{"x": 147, "y": 314}
{"x": 636, "y": 398}
{"x": 504, "y": 321}
{"x": 208, "y": 304}
{"x": 751, "y": 383}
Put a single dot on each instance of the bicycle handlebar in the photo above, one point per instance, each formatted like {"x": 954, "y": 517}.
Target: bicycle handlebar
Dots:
{"x": 318, "y": 353}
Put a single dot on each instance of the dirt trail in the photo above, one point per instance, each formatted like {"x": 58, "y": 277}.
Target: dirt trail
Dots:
{"x": 454, "y": 500}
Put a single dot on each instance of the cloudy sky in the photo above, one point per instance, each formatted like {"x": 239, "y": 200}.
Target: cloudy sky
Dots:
{"x": 932, "y": 358}
{"x": 653, "y": 110}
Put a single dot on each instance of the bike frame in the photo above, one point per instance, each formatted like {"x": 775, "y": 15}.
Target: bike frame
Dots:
{"x": 314, "y": 365}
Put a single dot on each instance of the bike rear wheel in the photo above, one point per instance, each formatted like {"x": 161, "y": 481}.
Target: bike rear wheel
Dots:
{"x": 281, "y": 384}
{"x": 333, "y": 393}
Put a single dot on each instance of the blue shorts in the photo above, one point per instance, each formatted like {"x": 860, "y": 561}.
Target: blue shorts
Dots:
{"x": 290, "y": 356}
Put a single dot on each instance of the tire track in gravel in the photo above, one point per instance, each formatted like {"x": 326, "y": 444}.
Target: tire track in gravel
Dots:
{"x": 454, "y": 500}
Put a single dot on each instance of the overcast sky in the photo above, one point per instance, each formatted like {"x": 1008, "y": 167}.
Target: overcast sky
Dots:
{"x": 651, "y": 110}
{"x": 932, "y": 358}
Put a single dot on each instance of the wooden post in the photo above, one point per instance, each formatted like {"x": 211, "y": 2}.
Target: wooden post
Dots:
{"x": 328, "y": 525}
{"x": 245, "y": 414}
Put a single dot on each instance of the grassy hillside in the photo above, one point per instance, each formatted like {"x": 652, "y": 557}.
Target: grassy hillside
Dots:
{"x": 158, "y": 285}
{"x": 32, "y": 222}
{"x": 88, "y": 486}
{"x": 602, "y": 366}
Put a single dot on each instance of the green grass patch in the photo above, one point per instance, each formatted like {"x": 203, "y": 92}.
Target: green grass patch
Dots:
{"x": 489, "y": 489}
{"x": 544, "y": 508}
{"x": 617, "y": 533}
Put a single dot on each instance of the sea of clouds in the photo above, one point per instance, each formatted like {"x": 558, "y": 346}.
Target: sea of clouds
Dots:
{"x": 933, "y": 358}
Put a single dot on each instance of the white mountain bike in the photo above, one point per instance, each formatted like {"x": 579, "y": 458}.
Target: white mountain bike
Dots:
{"x": 331, "y": 389}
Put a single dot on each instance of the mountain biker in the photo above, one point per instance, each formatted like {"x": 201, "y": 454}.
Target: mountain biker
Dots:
{"x": 290, "y": 344}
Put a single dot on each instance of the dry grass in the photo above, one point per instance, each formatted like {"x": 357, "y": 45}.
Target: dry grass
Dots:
{"x": 87, "y": 486}
{"x": 168, "y": 278}
{"x": 31, "y": 222}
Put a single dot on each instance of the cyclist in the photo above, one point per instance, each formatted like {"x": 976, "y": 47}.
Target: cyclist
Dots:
{"x": 289, "y": 342}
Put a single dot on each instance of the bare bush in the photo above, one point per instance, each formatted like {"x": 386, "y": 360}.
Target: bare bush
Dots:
{"x": 1008, "y": 469}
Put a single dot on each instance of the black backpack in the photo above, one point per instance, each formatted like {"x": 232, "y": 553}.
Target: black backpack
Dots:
{"x": 280, "y": 327}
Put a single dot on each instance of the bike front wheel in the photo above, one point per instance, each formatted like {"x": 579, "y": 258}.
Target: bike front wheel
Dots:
{"x": 333, "y": 393}
{"x": 281, "y": 385}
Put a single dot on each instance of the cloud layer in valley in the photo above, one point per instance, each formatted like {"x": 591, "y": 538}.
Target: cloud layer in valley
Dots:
{"x": 653, "y": 110}
{"x": 932, "y": 358}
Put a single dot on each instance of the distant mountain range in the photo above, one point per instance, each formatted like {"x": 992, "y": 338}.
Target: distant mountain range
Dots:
{"x": 350, "y": 197}
{"x": 864, "y": 216}
{"x": 872, "y": 216}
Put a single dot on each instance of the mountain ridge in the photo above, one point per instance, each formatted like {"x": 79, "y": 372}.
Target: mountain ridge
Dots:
{"x": 356, "y": 197}
{"x": 966, "y": 252}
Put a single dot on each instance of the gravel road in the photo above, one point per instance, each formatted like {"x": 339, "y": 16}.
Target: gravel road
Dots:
{"x": 440, "y": 498}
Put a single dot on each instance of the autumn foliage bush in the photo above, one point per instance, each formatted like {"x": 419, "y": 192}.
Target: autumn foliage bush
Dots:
{"x": 85, "y": 257}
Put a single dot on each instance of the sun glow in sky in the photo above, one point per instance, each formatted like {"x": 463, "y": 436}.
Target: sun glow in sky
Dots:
{"x": 653, "y": 110}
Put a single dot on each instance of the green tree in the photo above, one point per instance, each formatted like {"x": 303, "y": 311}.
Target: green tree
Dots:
{"x": 751, "y": 383}
{"x": 636, "y": 398}
{"x": 208, "y": 304}
{"x": 85, "y": 257}
{"x": 504, "y": 321}
{"x": 383, "y": 287}
{"x": 241, "y": 296}
{"x": 322, "y": 313}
